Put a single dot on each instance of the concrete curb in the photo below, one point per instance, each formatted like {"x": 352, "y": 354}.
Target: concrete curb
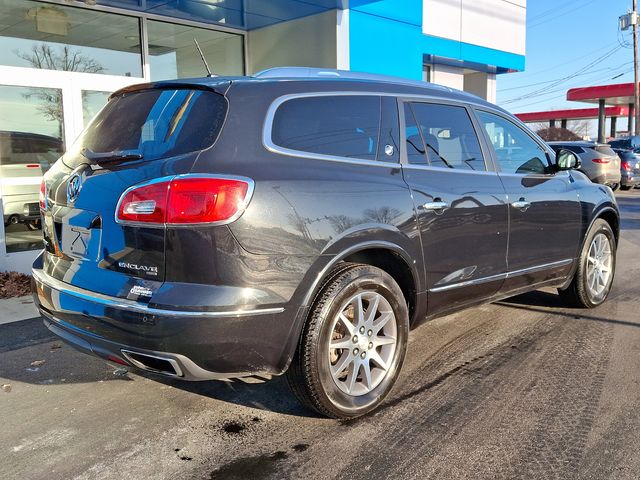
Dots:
{"x": 16, "y": 309}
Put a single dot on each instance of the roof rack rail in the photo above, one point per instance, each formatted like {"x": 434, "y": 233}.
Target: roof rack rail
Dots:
{"x": 308, "y": 72}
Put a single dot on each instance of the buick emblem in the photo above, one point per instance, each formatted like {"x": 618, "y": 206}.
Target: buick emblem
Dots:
{"x": 73, "y": 188}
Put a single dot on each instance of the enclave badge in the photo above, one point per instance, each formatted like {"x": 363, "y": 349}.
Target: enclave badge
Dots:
{"x": 74, "y": 185}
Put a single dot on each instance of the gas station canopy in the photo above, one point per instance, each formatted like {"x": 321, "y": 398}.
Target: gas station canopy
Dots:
{"x": 617, "y": 94}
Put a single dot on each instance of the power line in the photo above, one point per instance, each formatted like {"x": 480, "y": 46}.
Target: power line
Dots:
{"x": 555, "y": 79}
{"x": 563, "y": 79}
{"x": 558, "y": 15}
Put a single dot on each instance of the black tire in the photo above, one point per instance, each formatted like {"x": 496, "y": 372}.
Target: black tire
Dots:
{"x": 615, "y": 186}
{"x": 625, "y": 187}
{"x": 310, "y": 376}
{"x": 578, "y": 294}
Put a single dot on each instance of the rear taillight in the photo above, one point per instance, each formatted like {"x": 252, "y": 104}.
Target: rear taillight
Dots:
{"x": 625, "y": 165}
{"x": 601, "y": 160}
{"x": 185, "y": 200}
{"x": 42, "y": 197}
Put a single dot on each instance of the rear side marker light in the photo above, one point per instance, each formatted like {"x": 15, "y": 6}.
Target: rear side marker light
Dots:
{"x": 626, "y": 166}
{"x": 600, "y": 160}
{"x": 185, "y": 200}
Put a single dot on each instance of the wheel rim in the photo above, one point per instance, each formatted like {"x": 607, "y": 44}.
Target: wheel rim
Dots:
{"x": 599, "y": 266}
{"x": 363, "y": 343}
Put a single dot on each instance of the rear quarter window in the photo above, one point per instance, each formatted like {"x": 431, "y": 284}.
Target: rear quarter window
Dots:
{"x": 340, "y": 126}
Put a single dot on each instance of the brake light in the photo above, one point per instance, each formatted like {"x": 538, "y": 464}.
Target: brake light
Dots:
{"x": 32, "y": 165}
{"x": 625, "y": 165}
{"x": 601, "y": 160}
{"x": 42, "y": 197}
{"x": 185, "y": 200}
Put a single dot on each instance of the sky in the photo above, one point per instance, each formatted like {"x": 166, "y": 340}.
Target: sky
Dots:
{"x": 570, "y": 43}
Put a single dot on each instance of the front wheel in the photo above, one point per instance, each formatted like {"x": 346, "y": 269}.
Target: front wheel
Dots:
{"x": 353, "y": 344}
{"x": 592, "y": 281}
{"x": 626, "y": 187}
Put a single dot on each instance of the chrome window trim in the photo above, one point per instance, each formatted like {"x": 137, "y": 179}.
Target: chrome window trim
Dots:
{"x": 132, "y": 305}
{"x": 170, "y": 178}
{"x": 415, "y": 166}
{"x": 267, "y": 130}
{"x": 502, "y": 276}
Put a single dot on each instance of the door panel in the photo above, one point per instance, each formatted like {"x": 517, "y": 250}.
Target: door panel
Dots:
{"x": 461, "y": 207}
{"x": 544, "y": 212}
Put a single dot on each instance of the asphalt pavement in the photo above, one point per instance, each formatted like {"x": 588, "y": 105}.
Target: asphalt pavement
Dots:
{"x": 519, "y": 389}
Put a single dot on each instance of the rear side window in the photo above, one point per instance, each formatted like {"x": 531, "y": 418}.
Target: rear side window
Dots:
{"x": 157, "y": 123}
{"x": 340, "y": 125}
{"x": 447, "y": 135}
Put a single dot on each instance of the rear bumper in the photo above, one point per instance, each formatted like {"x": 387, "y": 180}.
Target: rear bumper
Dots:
{"x": 193, "y": 345}
{"x": 630, "y": 179}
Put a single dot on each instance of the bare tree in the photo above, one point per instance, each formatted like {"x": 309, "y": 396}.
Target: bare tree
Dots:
{"x": 66, "y": 59}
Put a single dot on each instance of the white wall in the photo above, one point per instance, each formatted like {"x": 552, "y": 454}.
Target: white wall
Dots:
{"x": 448, "y": 76}
{"x": 305, "y": 42}
{"x": 497, "y": 24}
{"x": 481, "y": 84}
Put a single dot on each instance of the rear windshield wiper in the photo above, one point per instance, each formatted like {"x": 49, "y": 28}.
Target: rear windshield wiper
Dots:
{"x": 115, "y": 155}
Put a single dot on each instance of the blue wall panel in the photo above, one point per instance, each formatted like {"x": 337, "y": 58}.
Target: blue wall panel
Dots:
{"x": 386, "y": 37}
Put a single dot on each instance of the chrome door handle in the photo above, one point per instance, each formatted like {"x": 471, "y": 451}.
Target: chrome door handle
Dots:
{"x": 437, "y": 207}
{"x": 521, "y": 204}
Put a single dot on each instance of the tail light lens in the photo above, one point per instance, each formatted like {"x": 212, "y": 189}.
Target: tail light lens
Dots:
{"x": 42, "y": 197}
{"x": 600, "y": 160}
{"x": 625, "y": 165}
{"x": 185, "y": 200}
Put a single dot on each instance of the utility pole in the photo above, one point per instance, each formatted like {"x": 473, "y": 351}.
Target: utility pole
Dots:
{"x": 636, "y": 87}
{"x": 630, "y": 20}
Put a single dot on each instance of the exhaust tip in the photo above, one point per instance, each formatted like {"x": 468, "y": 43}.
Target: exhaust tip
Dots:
{"x": 154, "y": 363}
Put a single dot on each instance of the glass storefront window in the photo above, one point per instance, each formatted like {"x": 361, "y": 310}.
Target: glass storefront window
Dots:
{"x": 56, "y": 37}
{"x": 92, "y": 103}
{"x": 172, "y": 53}
{"x": 31, "y": 132}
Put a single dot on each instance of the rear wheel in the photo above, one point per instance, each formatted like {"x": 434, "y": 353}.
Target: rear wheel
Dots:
{"x": 353, "y": 344}
{"x": 592, "y": 281}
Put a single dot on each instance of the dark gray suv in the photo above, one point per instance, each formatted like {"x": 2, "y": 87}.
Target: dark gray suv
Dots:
{"x": 303, "y": 222}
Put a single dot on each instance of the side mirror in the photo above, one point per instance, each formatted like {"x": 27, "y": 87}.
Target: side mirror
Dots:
{"x": 567, "y": 160}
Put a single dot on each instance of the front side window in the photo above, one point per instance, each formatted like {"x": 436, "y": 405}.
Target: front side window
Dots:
{"x": 515, "y": 150}
{"x": 447, "y": 135}
{"x": 340, "y": 125}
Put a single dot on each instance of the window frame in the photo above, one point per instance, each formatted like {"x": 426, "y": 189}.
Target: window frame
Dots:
{"x": 549, "y": 153}
{"x": 267, "y": 130}
{"x": 487, "y": 152}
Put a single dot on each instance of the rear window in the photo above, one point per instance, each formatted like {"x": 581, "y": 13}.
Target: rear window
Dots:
{"x": 341, "y": 125}
{"x": 572, "y": 148}
{"x": 604, "y": 150}
{"x": 157, "y": 123}
{"x": 18, "y": 148}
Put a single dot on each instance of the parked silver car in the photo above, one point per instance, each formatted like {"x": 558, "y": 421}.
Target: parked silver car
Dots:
{"x": 629, "y": 168}
{"x": 24, "y": 157}
{"x": 599, "y": 162}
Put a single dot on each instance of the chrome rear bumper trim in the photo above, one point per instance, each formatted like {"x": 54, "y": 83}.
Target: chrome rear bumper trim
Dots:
{"x": 132, "y": 305}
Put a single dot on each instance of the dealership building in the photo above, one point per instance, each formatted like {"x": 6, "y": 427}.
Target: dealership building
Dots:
{"x": 60, "y": 60}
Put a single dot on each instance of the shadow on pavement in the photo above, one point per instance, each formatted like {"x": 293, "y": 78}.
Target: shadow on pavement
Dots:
{"x": 28, "y": 341}
{"x": 545, "y": 302}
